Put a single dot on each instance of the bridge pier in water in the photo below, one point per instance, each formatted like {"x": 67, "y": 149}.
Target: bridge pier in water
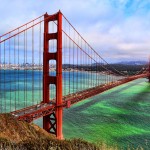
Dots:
{"x": 53, "y": 123}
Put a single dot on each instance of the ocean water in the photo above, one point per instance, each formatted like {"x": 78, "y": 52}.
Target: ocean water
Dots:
{"x": 120, "y": 116}
{"x": 23, "y": 88}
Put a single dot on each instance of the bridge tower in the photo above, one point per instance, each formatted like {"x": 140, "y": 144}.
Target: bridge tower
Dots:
{"x": 53, "y": 123}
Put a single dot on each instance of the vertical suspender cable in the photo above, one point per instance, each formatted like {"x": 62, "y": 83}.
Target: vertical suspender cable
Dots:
{"x": 87, "y": 62}
{"x": 64, "y": 62}
{"x": 81, "y": 66}
{"x": 108, "y": 77}
{"x": 64, "y": 56}
{"x": 53, "y": 65}
{"x": 24, "y": 68}
{"x": 4, "y": 77}
{"x": 100, "y": 79}
{"x": 73, "y": 61}
{"x": 85, "y": 66}
{"x": 84, "y": 75}
{"x": 96, "y": 72}
{"x": 105, "y": 74}
{"x": 40, "y": 98}
{"x": 91, "y": 71}
{"x": 77, "y": 63}
{"x": 88, "y": 69}
{"x": 26, "y": 72}
{"x": 10, "y": 74}
{"x": 18, "y": 69}
{"x": 33, "y": 64}
{"x": 14, "y": 70}
{"x": 69, "y": 60}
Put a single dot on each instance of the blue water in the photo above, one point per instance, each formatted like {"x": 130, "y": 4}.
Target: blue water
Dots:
{"x": 22, "y": 88}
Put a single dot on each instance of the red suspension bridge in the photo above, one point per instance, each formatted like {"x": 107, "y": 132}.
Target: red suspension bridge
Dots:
{"x": 41, "y": 74}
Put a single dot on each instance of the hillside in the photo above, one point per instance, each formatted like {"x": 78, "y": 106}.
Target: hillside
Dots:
{"x": 17, "y": 131}
{"x": 21, "y": 135}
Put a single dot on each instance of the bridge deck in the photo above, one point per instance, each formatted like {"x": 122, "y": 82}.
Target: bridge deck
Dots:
{"x": 34, "y": 112}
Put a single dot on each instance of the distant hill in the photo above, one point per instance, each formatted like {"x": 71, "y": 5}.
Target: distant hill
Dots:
{"x": 132, "y": 62}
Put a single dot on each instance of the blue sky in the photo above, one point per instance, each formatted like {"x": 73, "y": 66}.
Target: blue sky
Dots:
{"x": 117, "y": 29}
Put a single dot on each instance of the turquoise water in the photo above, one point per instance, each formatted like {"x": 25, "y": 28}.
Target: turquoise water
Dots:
{"x": 120, "y": 116}
{"x": 23, "y": 88}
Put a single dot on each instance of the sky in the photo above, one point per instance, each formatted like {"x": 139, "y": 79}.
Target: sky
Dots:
{"x": 119, "y": 30}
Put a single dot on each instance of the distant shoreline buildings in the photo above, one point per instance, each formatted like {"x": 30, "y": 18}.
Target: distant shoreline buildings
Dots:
{"x": 23, "y": 66}
{"x": 127, "y": 69}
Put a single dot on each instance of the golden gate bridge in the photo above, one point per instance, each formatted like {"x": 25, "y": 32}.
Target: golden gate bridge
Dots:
{"x": 41, "y": 74}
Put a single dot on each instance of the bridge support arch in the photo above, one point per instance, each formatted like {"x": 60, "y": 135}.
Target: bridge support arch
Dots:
{"x": 53, "y": 123}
